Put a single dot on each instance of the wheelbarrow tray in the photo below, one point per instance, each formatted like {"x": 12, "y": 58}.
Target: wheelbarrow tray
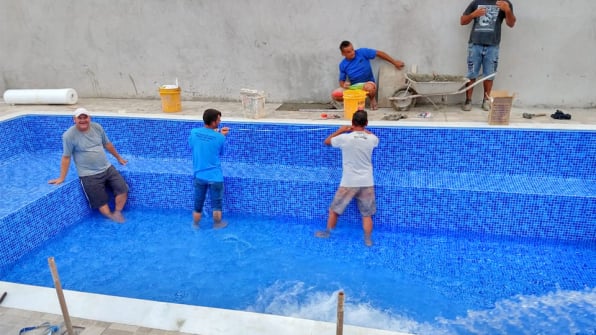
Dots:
{"x": 436, "y": 84}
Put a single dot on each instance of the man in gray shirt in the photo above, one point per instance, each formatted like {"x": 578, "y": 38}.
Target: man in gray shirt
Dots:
{"x": 85, "y": 143}
{"x": 357, "y": 145}
{"x": 483, "y": 45}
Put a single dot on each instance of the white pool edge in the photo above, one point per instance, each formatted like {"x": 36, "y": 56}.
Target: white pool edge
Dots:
{"x": 411, "y": 124}
{"x": 167, "y": 316}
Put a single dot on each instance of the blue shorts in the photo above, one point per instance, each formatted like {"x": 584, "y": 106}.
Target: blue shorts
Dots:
{"x": 485, "y": 56}
{"x": 216, "y": 190}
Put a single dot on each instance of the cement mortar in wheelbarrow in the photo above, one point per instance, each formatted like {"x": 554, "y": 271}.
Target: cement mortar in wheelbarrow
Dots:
{"x": 427, "y": 85}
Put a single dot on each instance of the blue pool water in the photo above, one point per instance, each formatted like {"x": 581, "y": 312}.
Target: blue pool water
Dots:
{"x": 421, "y": 283}
{"x": 478, "y": 230}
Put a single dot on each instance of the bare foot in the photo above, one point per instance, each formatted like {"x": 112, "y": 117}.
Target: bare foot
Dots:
{"x": 195, "y": 225}
{"x": 322, "y": 234}
{"x": 117, "y": 217}
{"x": 368, "y": 241}
{"x": 220, "y": 225}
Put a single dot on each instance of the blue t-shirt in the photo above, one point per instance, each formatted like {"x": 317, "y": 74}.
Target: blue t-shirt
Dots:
{"x": 207, "y": 147}
{"x": 358, "y": 69}
{"x": 486, "y": 30}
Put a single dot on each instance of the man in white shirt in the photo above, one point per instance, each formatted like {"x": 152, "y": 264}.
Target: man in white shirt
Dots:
{"x": 356, "y": 144}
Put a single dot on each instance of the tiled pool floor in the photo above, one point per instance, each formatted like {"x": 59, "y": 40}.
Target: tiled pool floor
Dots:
{"x": 18, "y": 309}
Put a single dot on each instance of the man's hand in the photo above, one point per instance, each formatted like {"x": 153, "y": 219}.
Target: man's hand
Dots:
{"x": 503, "y": 5}
{"x": 399, "y": 64}
{"x": 225, "y": 131}
{"x": 122, "y": 161}
{"x": 481, "y": 11}
{"x": 344, "y": 129}
{"x": 56, "y": 181}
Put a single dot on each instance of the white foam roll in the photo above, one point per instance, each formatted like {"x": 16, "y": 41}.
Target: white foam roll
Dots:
{"x": 61, "y": 96}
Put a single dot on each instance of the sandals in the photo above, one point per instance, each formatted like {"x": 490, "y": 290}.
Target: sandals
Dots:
{"x": 559, "y": 115}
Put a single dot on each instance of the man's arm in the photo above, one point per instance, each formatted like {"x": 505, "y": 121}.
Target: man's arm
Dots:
{"x": 338, "y": 132}
{"x": 111, "y": 149}
{"x": 467, "y": 18}
{"x": 397, "y": 63}
{"x": 510, "y": 18}
{"x": 64, "y": 165}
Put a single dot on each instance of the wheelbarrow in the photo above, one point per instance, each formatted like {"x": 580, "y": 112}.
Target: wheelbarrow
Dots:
{"x": 428, "y": 85}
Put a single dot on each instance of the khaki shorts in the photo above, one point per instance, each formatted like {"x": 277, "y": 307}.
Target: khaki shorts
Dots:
{"x": 365, "y": 196}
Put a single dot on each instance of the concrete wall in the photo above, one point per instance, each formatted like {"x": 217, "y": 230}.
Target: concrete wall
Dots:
{"x": 128, "y": 48}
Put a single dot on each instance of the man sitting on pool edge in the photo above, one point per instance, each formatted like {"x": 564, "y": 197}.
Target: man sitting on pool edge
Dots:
{"x": 85, "y": 142}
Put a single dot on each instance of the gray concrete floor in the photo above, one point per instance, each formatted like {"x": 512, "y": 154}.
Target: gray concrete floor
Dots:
{"x": 12, "y": 320}
{"x": 445, "y": 115}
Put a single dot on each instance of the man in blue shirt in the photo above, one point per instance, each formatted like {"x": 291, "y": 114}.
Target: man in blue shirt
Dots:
{"x": 355, "y": 71}
{"x": 207, "y": 146}
{"x": 483, "y": 45}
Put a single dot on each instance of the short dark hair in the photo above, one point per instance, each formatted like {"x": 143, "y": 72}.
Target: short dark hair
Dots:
{"x": 344, "y": 44}
{"x": 210, "y": 115}
{"x": 360, "y": 118}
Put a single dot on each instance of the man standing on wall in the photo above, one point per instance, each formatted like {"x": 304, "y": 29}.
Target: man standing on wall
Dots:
{"x": 483, "y": 45}
{"x": 207, "y": 146}
{"x": 85, "y": 142}
{"x": 356, "y": 144}
{"x": 355, "y": 71}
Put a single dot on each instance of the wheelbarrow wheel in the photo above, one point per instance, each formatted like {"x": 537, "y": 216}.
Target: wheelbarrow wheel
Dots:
{"x": 404, "y": 103}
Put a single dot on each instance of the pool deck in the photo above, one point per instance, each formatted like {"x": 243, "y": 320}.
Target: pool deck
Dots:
{"x": 445, "y": 116}
{"x": 26, "y": 306}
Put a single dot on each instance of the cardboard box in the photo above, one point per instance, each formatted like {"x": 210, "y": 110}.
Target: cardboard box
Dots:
{"x": 500, "y": 107}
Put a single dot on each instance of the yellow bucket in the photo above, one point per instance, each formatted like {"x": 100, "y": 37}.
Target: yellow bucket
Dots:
{"x": 170, "y": 98}
{"x": 353, "y": 101}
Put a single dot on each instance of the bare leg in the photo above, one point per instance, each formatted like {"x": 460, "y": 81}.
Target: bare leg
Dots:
{"x": 120, "y": 201}
{"x": 371, "y": 92}
{"x": 488, "y": 86}
{"x": 217, "y": 222}
{"x": 196, "y": 218}
{"x": 105, "y": 211}
{"x": 373, "y": 103}
{"x": 471, "y": 90}
{"x": 367, "y": 226}
{"x": 331, "y": 223}
{"x": 337, "y": 94}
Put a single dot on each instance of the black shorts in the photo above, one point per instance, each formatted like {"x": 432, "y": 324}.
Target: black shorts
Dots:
{"x": 95, "y": 186}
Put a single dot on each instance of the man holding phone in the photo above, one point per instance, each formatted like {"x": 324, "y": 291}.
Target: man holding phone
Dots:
{"x": 483, "y": 45}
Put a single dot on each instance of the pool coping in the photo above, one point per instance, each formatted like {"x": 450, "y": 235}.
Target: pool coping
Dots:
{"x": 168, "y": 316}
{"x": 336, "y": 122}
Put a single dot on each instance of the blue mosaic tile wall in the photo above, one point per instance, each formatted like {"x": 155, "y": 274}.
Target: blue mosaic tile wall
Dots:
{"x": 40, "y": 220}
{"x": 506, "y": 182}
{"x": 531, "y": 152}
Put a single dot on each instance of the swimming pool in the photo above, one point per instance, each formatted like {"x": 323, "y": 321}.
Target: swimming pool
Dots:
{"x": 451, "y": 190}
